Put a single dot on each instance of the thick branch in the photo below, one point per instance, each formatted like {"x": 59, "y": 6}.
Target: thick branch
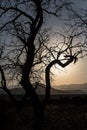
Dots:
{"x": 10, "y": 21}
{"x": 47, "y": 73}
{"x": 16, "y": 9}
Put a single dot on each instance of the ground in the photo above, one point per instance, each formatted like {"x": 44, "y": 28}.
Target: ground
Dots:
{"x": 59, "y": 115}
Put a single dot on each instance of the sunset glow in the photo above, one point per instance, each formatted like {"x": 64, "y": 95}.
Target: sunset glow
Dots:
{"x": 72, "y": 74}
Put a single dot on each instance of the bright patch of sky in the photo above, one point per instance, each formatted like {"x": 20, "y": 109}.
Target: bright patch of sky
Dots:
{"x": 74, "y": 73}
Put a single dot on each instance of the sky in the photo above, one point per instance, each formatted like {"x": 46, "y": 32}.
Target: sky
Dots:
{"x": 74, "y": 73}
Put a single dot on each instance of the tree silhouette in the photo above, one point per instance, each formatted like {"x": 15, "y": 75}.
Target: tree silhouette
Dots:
{"x": 3, "y": 82}
{"x": 69, "y": 54}
{"x": 21, "y": 22}
{"x": 22, "y": 25}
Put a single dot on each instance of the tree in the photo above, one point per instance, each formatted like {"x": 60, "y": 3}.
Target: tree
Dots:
{"x": 3, "y": 82}
{"x": 20, "y": 22}
{"x": 67, "y": 51}
{"x": 21, "y": 29}
{"x": 77, "y": 24}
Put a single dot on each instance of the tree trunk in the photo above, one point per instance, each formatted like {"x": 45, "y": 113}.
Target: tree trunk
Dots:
{"x": 25, "y": 81}
{"x": 26, "y": 84}
{"x": 48, "y": 85}
{"x": 47, "y": 74}
{"x": 4, "y": 87}
{"x": 47, "y": 78}
{"x": 37, "y": 106}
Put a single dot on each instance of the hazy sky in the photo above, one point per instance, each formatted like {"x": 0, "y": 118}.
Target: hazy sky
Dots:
{"x": 74, "y": 73}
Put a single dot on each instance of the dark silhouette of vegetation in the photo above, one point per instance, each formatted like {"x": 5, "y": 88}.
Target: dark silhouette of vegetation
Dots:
{"x": 22, "y": 21}
{"x": 69, "y": 57}
{"x": 23, "y": 25}
{"x": 3, "y": 82}
{"x": 26, "y": 46}
{"x": 48, "y": 86}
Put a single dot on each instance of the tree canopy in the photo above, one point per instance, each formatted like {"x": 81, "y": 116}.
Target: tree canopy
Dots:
{"x": 30, "y": 44}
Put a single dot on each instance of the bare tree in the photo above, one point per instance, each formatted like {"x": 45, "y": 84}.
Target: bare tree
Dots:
{"x": 65, "y": 52}
{"x": 3, "y": 82}
{"x": 27, "y": 44}
{"x": 77, "y": 24}
{"x": 20, "y": 23}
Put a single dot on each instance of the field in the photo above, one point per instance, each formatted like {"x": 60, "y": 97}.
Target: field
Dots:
{"x": 62, "y": 114}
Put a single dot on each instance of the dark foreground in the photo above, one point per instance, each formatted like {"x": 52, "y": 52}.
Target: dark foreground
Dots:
{"x": 59, "y": 115}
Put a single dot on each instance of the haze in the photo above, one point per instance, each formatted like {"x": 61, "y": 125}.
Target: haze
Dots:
{"x": 72, "y": 74}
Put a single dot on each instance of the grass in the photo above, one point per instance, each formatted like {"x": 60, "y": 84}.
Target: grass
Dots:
{"x": 59, "y": 115}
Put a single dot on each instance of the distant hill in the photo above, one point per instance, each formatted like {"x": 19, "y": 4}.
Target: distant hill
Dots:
{"x": 41, "y": 90}
{"x": 74, "y": 87}
{"x": 69, "y": 89}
